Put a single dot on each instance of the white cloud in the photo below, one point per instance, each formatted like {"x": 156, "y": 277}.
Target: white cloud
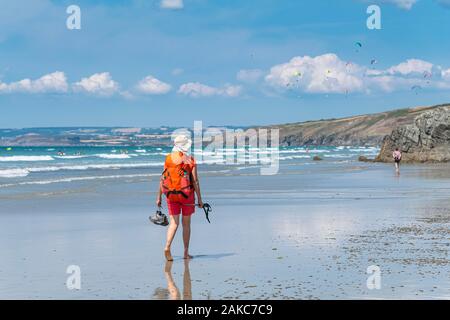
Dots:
{"x": 249, "y": 75}
{"x": 321, "y": 74}
{"x": 411, "y": 66}
{"x": 151, "y": 85}
{"x": 172, "y": 4}
{"x": 402, "y": 4}
{"x": 196, "y": 89}
{"x": 446, "y": 74}
{"x": 329, "y": 74}
{"x": 99, "y": 84}
{"x": 53, "y": 82}
{"x": 387, "y": 83}
{"x": 230, "y": 91}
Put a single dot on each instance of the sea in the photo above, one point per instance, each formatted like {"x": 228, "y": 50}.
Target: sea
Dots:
{"x": 53, "y": 165}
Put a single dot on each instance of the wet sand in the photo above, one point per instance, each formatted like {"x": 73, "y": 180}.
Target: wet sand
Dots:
{"x": 309, "y": 232}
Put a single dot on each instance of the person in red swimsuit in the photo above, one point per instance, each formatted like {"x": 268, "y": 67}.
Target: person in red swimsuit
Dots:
{"x": 182, "y": 206}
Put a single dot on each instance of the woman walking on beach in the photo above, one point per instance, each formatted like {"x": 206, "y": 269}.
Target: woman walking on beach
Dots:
{"x": 180, "y": 183}
{"x": 397, "y": 155}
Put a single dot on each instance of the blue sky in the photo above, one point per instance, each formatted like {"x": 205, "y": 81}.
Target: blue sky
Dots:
{"x": 170, "y": 62}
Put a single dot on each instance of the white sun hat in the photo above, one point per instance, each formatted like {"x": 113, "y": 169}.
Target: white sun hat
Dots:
{"x": 182, "y": 144}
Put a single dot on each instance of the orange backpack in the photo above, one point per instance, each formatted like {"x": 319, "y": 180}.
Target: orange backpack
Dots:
{"x": 176, "y": 181}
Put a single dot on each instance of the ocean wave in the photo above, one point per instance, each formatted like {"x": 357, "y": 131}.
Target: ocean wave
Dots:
{"x": 304, "y": 151}
{"x": 72, "y": 179}
{"x": 13, "y": 173}
{"x": 71, "y": 157}
{"x": 339, "y": 156}
{"x": 26, "y": 158}
{"x": 96, "y": 166}
{"x": 294, "y": 157}
{"x": 112, "y": 156}
{"x": 368, "y": 149}
{"x": 23, "y": 172}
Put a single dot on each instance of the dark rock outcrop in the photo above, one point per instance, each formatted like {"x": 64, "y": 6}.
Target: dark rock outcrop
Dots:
{"x": 426, "y": 140}
{"x": 364, "y": 159}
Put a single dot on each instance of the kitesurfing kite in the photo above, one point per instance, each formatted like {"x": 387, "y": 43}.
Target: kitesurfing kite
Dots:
{"x": 416, "y": 88}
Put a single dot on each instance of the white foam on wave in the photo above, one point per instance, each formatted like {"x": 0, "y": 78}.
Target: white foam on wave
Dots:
{"x": 113, "y": 156}
{"x": 26, "y": 158}
{"x": 23, "y": 172}
{"x": 13, "y": 173}
{"x": 362, "y": 149}
{"x": 294, "y": 157}
{"x": 70, "y": 157}
{"x": 338, "y": 156}
{"x": 140, "y": 150}
{"x": 72, "y": 179}
{"x": 96, "y": 166}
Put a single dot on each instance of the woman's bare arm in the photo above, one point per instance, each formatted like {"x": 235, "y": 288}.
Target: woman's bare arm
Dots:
{"x": 196, "y": 184}
{"x": 158, "y": 196}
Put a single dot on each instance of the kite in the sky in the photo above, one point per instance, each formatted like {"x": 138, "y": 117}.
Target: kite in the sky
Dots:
{"x": 427, "y": 74}
{"x": 416, "y": 88}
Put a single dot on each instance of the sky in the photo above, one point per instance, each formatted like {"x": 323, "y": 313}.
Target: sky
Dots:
{"x": 152, "y": 63}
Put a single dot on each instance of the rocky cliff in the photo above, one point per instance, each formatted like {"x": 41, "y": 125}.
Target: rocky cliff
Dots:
{"x": 369, "y": 129}
{"x": 427, "y": 139}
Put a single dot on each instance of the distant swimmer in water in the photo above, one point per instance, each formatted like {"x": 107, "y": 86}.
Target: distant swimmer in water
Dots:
{"x": 397, "y": 155}
{"x": 60, "y": 153}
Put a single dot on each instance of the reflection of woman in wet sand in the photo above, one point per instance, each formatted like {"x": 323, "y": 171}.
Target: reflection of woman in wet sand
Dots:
{"x": 174, "y": 293}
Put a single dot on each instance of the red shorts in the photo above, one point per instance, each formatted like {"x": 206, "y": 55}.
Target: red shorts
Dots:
{"x": 186, "y": 207}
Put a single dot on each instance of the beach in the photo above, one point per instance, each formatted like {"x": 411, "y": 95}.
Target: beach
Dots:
{"x": 308, "y": 232}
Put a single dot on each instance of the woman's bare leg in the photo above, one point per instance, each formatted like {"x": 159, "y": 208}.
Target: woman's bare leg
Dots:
{"x": 173, "y": 226}
{"x": 186, "y": 235}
